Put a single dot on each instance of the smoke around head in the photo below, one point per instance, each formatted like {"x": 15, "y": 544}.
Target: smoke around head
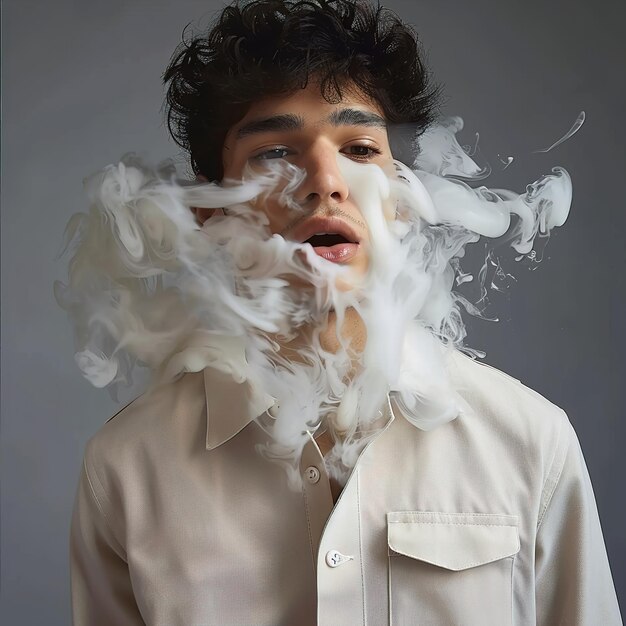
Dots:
{"x": 147, "y": 286}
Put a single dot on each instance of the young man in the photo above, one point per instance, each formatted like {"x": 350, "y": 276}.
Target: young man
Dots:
{"x": 488, "y": 518}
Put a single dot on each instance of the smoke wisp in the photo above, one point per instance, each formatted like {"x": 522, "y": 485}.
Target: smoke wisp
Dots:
{"x": 148, "y": 286}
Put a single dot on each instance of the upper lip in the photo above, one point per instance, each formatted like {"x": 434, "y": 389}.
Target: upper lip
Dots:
{"x": 324, "y": 225}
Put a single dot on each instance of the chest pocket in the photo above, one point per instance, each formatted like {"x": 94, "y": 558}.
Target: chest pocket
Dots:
{"x": 451, "y": 569}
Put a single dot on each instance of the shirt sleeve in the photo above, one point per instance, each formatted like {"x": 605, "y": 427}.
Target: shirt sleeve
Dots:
{"x": 102, "y": 592}
{"x": 574, "y": 586}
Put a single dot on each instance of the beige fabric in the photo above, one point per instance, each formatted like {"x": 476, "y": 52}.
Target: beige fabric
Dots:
{"x": 487, "y": 520}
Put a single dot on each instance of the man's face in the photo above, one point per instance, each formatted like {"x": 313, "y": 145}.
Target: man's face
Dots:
{"x": 309, "y": 132}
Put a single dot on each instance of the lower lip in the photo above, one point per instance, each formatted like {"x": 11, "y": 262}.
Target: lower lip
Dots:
{"x": 339, "y": 253}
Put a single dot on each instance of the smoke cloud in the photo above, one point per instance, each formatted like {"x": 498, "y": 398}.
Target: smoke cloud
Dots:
{"x": 148, "y": 286}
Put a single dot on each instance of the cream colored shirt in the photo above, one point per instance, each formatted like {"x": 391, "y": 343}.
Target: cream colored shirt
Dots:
{"x": 487, "y": 520}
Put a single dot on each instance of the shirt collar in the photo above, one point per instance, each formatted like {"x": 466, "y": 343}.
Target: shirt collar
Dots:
{"x": 230, "y": 404}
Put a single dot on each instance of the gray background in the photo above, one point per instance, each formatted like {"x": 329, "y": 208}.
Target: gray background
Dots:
{"x": 81, "y": 86}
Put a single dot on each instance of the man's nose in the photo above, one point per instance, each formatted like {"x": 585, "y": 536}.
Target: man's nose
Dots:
{"x": 324, "y": 181}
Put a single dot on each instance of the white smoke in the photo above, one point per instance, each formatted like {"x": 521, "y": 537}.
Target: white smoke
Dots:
{"x": 148, "y": 286}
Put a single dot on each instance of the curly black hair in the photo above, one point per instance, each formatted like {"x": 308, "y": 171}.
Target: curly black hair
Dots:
{"x": 268, "y": 47}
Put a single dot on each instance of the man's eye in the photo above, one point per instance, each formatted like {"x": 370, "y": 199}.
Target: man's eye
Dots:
{"x": 362, "y": 153}
{"x": 273, "y": 153}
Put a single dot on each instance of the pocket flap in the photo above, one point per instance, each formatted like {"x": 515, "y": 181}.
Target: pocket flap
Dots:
{"x": 454, "y": 541}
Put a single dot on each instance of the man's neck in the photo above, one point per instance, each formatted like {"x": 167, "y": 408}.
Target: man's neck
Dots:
{"x": 353, "y": 331}
{"x": 325, "y": 442}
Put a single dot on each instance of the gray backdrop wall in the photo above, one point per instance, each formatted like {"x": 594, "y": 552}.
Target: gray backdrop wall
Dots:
{"x": 81, "y": 86}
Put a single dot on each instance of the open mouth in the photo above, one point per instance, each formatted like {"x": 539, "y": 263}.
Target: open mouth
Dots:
{"x": 330, "y": 237}
{"x": 333, "y": 247}
{"x": 327, "y": 240}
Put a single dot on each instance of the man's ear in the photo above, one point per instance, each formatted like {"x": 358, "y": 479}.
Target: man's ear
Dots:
{"x": 203, "y": 214}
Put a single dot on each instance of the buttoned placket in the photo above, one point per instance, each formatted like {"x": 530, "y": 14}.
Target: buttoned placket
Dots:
{"x": 340, "y": 592}
{"x": 335, "y": 536}
{"x": 318, "y": 497}
{"x": 335, "y": 541}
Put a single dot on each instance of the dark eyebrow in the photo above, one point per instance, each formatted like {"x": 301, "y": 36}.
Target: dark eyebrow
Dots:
{"x": 286, "y": 122}
{"x": 356, "y": 117}
{"x": 290, "y": 121}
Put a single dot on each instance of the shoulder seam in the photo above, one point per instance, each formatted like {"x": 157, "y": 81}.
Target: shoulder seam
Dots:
{"x": 122, "y": 409}
{"x": 557, "y": 464}
{"x": 516, "y": 382}
{"x": 100, "y": 507}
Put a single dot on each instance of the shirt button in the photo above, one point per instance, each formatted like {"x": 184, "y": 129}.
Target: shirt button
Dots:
{"x": 312, "y": 474}
{"x": 334, "y": 558}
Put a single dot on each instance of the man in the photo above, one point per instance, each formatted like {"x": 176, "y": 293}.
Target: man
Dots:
{"x": 485, "y": 515}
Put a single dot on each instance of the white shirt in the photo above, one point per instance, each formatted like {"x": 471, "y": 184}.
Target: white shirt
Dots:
{"x": 489, "y": 519}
